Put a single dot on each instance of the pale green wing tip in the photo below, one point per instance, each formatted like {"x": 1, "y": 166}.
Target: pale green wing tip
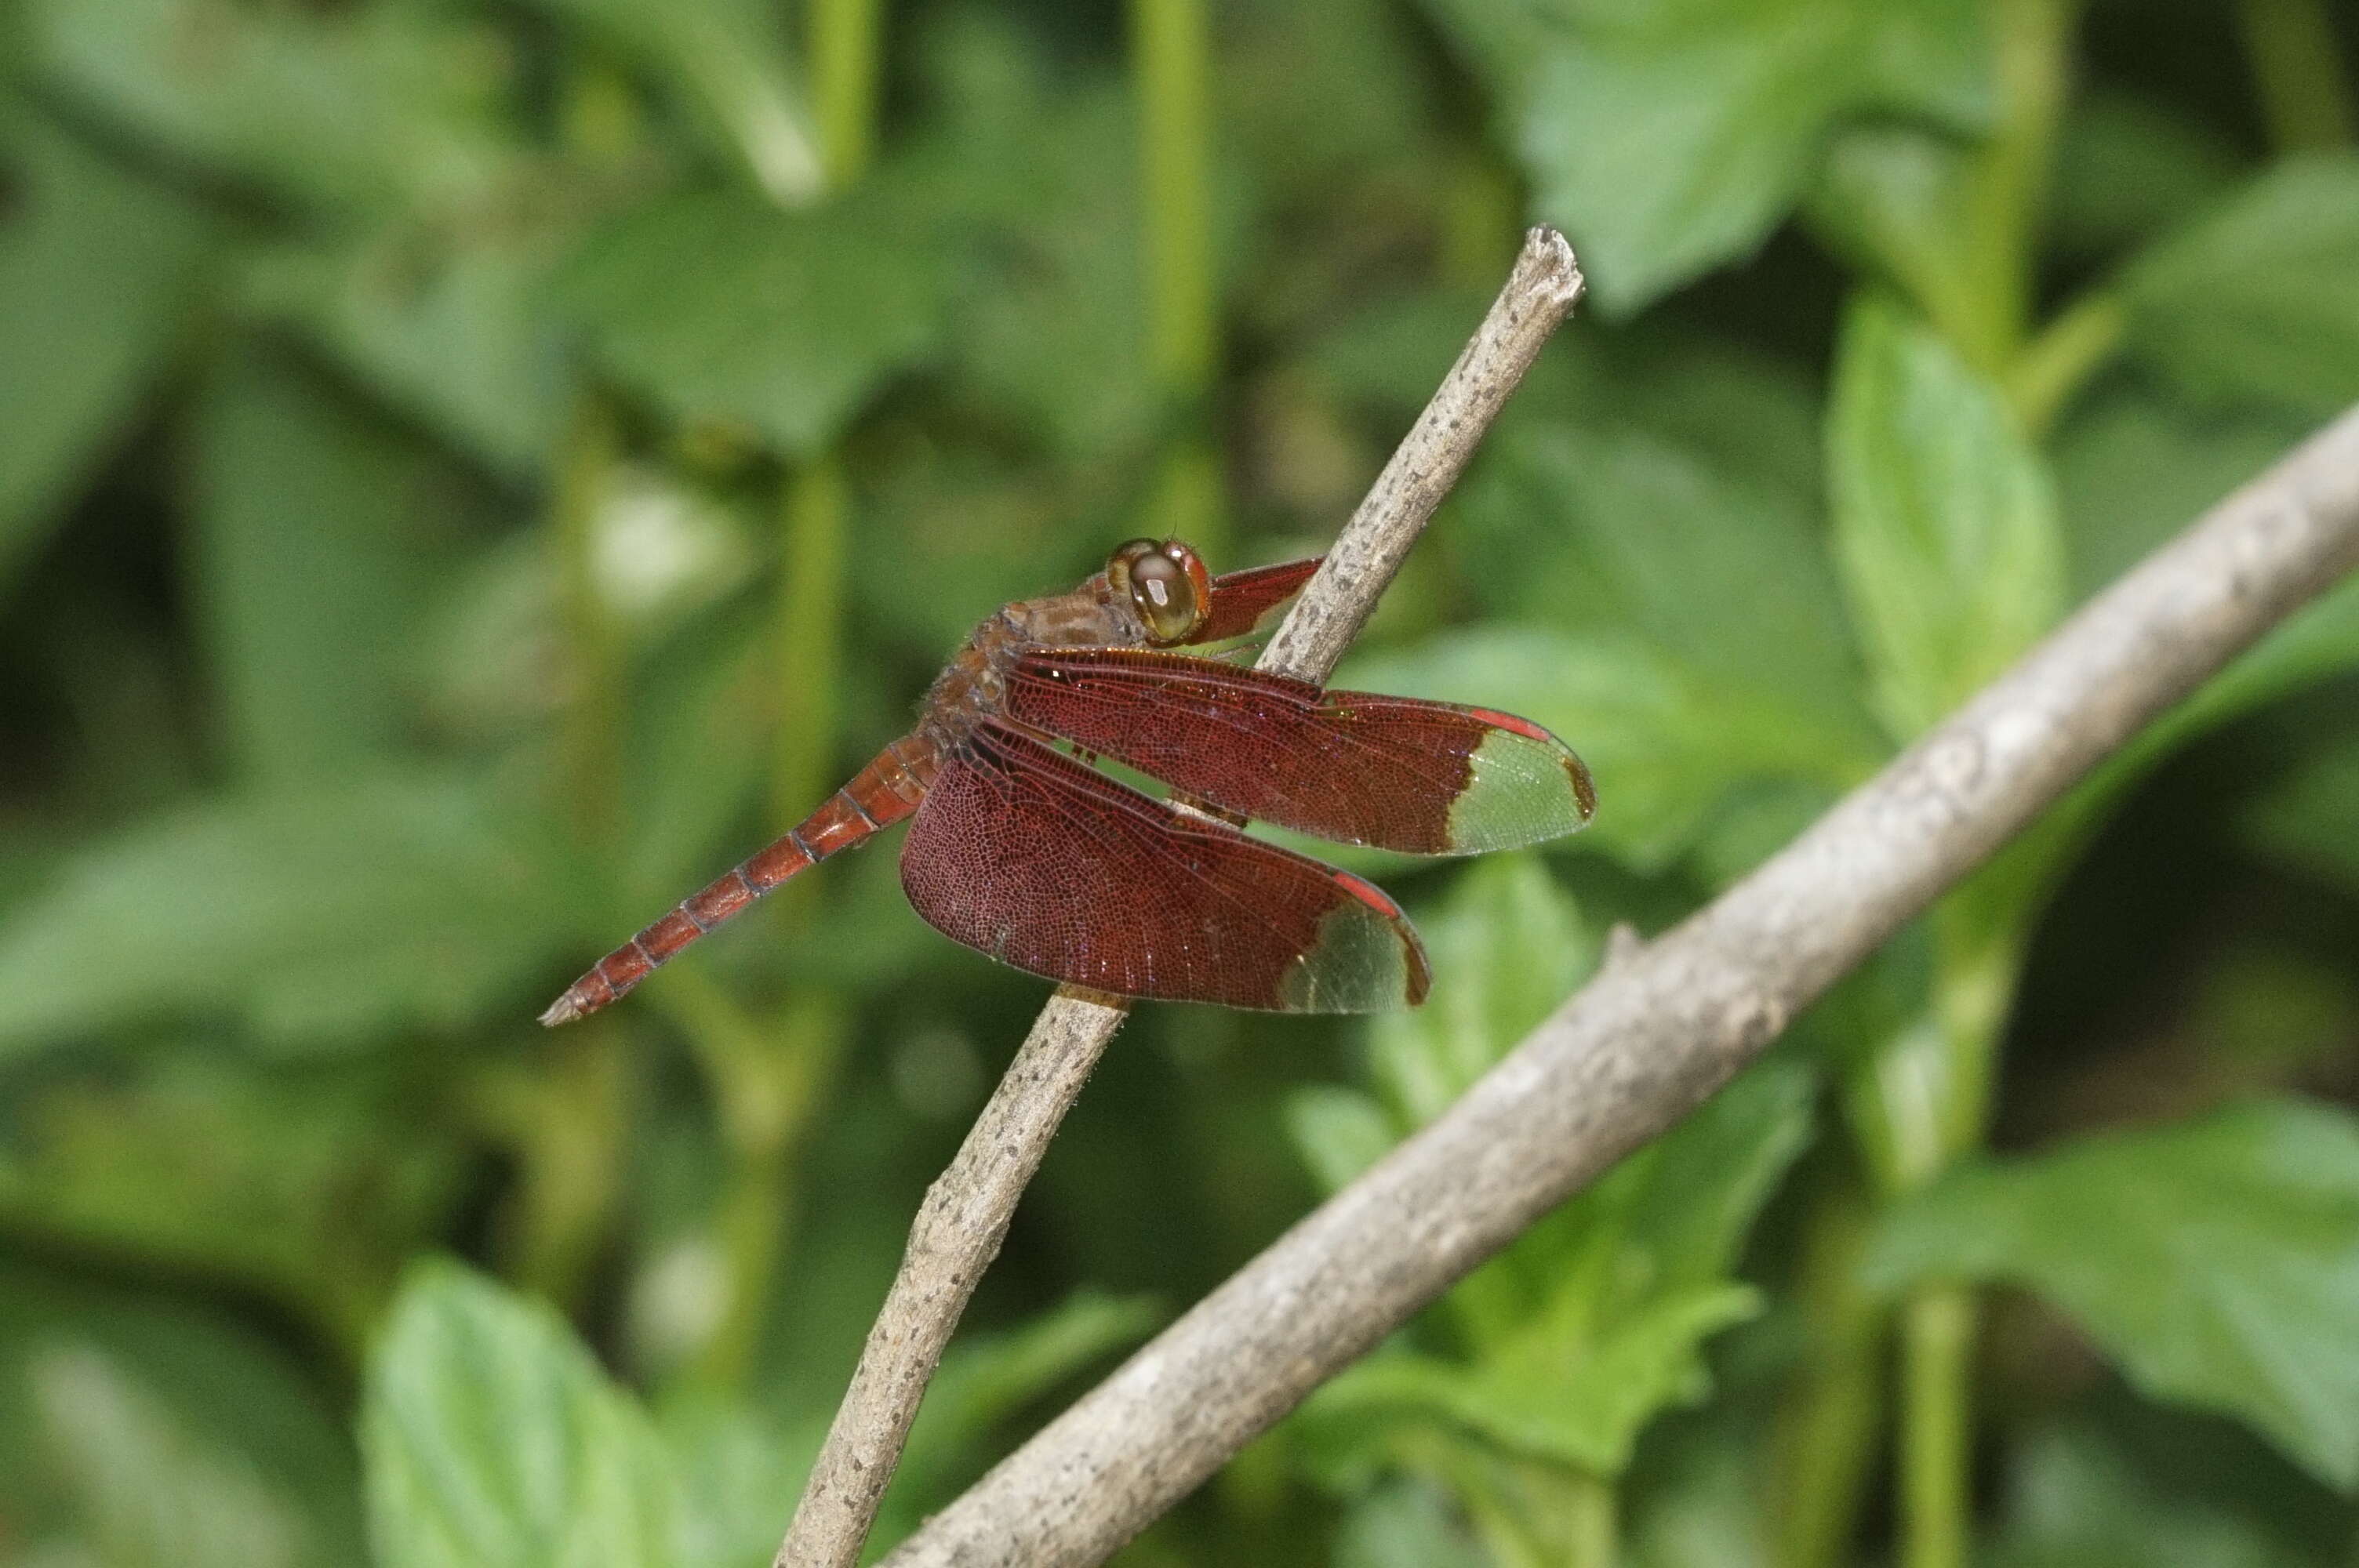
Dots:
{"x": 1521, "y": 789}
{"x": 1365, "y": 961}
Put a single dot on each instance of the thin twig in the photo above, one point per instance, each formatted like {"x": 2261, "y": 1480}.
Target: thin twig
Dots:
{"x": 1656, "y": 1031}
{"x": 966, "y": 1214}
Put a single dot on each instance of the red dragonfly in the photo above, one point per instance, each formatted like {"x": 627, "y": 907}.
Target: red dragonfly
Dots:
{"x": 1025, "y": 852}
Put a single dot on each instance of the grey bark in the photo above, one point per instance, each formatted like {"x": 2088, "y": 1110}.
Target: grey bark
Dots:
{"x": 1656, "y": 1031}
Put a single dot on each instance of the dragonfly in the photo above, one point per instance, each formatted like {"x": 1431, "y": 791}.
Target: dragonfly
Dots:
{"x": 1022, "y": 848}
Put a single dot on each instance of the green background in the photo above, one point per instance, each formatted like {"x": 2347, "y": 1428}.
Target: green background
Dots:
{"x": 472, "y": 469}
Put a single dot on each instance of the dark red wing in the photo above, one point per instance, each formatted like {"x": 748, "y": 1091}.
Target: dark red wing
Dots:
{"x": 1429, "y": 778}
{"x": 1240, "y": 599}
{"x": 1047, "y": 864}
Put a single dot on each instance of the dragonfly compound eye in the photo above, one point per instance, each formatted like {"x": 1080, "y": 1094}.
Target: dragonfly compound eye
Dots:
{"x": 1168, "y": 587}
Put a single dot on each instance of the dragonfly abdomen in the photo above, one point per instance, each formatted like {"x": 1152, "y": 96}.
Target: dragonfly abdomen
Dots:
{"x": 880, "y": 794}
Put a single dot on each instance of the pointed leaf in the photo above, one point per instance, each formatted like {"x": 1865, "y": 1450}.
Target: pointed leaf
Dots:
{"x": 1666, "y": 744}
{"x": 2078, "y": 1497}
{"x": 1505, "y": 950}
{"x": 99, "y": 271}
{"x": 1653, "y": 533}
{"x": 365, "y": 106}
{"x": 2260, "y": 301}
{"x": 727, "y": 58}
{"x": 157, "y": 1494}
{"x": 115, "y": 1395}
{"x": 1594, "y": 1322}
{"x": 314, "y": 536}
{"x": 1945, "y": 522}
{"x": 1671, "y": 137}
{"x": 305, "y": 1186}
{"x": 392, "y": 902}
{"x": 721, "y": 309}
{"x": 447, "y": 323}
{"x": 2216, "y": 1260}
{"x": 492, "y": 1440}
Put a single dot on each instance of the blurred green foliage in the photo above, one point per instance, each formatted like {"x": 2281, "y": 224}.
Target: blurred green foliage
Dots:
{"x": 467, "y": 472}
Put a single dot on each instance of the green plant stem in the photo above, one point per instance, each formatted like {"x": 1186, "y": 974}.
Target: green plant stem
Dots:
{"x": 1592, "y": 1516}
{"x": 2032, "y": 42}
{"x": 1937, "y": 1336}
{"x": 768, "y": 1078}
{"x": 2297, "y": 74}
{"x": 1829, "y": 1420}
{"x": 1931, "y": 1105}
{"x": 1939, "y": 1085}
{"x": 564, "y": 1116}
{"x": 560, "y": 1115}
{"x": 1479, "y": 212}
{"x": 592, "y": 732}
{"x": 844, "y": 42}
{"x": 1171, "y": 69}
{"x": 2081, "y": 341}
{"x": 809, "y": 627}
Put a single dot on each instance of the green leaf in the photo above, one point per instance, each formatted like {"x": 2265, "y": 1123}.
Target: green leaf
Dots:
{"x": 2216, "y": 1260}
{"x": 1671, "y": 137}
{"x": 1508, "y": 947}
{"x": 99, "y": 272}
{"x": 1339, "y": 1132}
{"x": 492, "y": 1440}
{"x": 1661, "y": 519}
{"x": 1945, "y": 522}
{"x": 1526, "y": 1400}
{"x": 393, "y": 902}
{"x": 2259, "y": 302}
{"x": 1666, "y": 745}
{"x": 1404, "y": 1524}
{"x": 1622, "y": 530}
{"x": 2077, "y": 1498}
{"x": 723, "y": 311}
{"x": 308, "y": 1186}
{"x": 110, "y": 1397}
{"x": 155, "y": 1493}
{"x": 2128, "y": 169}
{"x": 365, "y": 106}
{"x": 1618, "y": 1292}
{"x": 2134, "y": 467}
{"x": 446, "y": 320}
{"x": 1895, "y": 200}
{"x": 314, "y": 536}
{"x": 727, "y": 58}
{"x": 1037, "y": 189}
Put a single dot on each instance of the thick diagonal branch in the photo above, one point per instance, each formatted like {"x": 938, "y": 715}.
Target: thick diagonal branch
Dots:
{"x": 1656, "y": 1031}
{"x": 966, "y": 1214}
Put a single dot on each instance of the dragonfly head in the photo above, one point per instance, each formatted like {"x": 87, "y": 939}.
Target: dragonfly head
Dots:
{"x": 1166, "y": 585}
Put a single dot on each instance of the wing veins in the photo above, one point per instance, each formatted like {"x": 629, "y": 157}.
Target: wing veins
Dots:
{"x": 1146, "y": 821}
